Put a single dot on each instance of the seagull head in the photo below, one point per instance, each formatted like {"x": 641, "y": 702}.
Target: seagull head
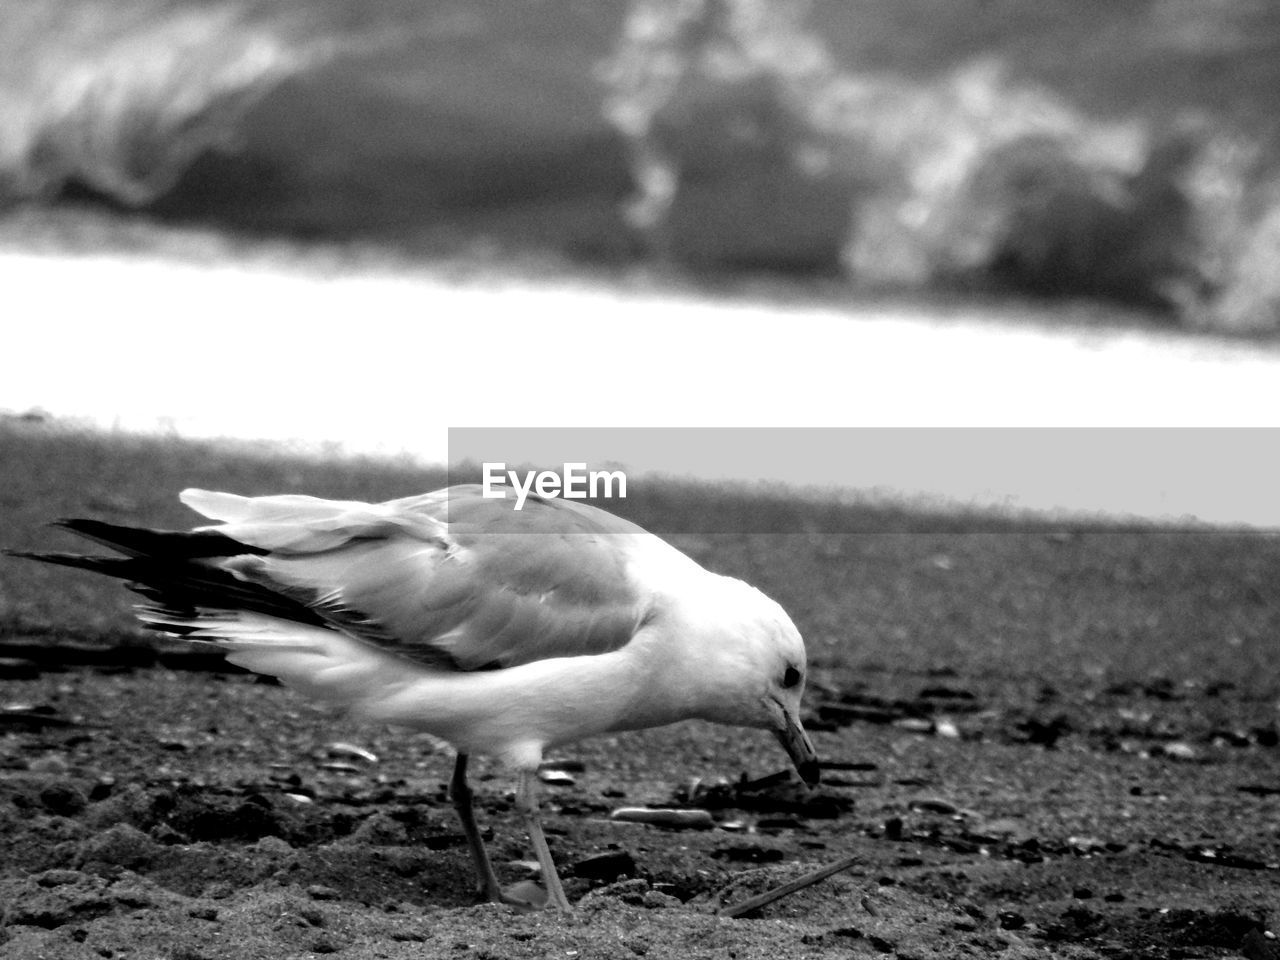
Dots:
{"x": 757, "y": 669}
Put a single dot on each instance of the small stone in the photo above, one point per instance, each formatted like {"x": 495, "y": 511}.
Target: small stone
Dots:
{"x": 914, "y": 724}
{"x": 1179, "y": 751}
{"x": 946, "y": 728}
{"x": 276, "y": 846}
{"x": 657, "y": 900}
{"x": 933, "y": 805}
{"x": 63, "y": 799}
{"x": 665, "y": 817}
{"x": 556, "y": 778}
{"x": 341, "y": 749}
{"x": 318, "y": 891}
{"x": 528, "y": 892}
{"x": 203, "y": 913}
{"x": 1010, "y": 920}
{"x": 1086, "y": 845}
{"x": 121, "y": 845}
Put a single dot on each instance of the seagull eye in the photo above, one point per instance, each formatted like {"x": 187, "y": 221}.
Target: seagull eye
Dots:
{"x": 790, "y": 677}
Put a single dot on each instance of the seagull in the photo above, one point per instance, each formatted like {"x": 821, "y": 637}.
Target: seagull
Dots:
{"x": 503, "y": 632}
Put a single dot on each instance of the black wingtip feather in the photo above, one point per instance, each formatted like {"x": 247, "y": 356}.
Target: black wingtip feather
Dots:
{"x": 145, "y": 542}
{"x": 174, "y": 570}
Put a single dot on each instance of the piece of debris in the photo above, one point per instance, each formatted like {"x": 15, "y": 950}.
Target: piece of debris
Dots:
{"x": 769, "y": 896}
{"x": 665, "y": 817}
{"x": 341, "y": 749}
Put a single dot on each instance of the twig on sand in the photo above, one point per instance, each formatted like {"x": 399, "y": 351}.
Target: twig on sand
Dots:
{"x": 777, "y": 893}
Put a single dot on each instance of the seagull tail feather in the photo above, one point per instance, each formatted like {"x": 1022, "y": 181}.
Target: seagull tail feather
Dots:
{"x": 176, "y": 571}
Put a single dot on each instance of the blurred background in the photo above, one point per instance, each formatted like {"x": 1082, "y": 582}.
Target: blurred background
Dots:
{"x": 1125, "y": 153}
{"x": 358, "y": 226}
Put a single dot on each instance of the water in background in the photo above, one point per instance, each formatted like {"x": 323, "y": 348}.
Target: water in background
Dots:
{"x": 294, "y": 114}
{"x": 1063, "y": 150}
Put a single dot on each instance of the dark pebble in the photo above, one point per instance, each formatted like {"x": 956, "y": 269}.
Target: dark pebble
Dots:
{"x": 1009, "y": 920}
{"x": 63, "y": 799}
{"x": 606, "y": 867}
{"x": 1266, "y": 736}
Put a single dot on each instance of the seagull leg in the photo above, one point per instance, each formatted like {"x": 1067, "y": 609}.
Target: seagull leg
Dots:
{"x": 527, "y": 801}
{"x": 460, "y": 794}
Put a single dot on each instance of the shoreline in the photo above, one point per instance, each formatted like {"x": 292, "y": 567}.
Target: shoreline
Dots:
{"x": 376, "y": 362}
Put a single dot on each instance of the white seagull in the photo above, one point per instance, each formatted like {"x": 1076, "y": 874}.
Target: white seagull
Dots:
{"x": 502, "y": 632}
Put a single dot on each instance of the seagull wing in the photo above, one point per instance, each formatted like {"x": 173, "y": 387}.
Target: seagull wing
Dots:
{"x": 449, "y": 579}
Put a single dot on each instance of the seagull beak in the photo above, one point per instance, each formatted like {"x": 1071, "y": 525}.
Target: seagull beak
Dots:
{"x": 798, "y": 746}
